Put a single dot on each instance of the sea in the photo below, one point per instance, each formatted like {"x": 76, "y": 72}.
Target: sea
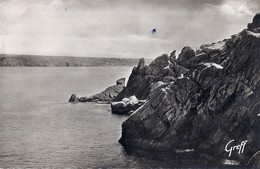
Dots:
{"x": 39, "y": 128}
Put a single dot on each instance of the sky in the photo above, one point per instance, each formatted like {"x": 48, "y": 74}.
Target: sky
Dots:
{"x": 118, "y": 28}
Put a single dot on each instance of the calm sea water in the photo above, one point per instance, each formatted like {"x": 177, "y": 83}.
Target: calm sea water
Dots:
{"x": 40, "y": 129}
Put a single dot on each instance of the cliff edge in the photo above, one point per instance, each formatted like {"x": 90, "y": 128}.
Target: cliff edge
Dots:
{"x": 208, "y": 100}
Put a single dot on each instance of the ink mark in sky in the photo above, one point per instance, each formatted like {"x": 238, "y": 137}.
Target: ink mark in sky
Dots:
{"x": 153, "y": 31}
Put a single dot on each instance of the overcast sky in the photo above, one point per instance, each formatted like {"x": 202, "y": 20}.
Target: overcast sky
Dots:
{"x": 118, "y": 28}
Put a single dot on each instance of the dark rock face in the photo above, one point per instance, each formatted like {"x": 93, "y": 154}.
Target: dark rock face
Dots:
{"x": 215, "y": 98}
{"x": 127, "y": 106}
{"x": 255, "y": 25}
{"x": 144, "y": 76}
{"x": 73, "y": 98}
{"x": 121, "y": 81}
{"x": 254, "y": 162}
{"x": 105, "y": 96}
{"x": 186, "y": 54}
{"x": 109, "y": 94}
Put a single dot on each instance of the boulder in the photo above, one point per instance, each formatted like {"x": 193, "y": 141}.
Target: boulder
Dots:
{"x": 85, "y": 99}
{"x": 127, "y": 106}
{"x": 255, "y": 25}
{"x": 131, "y": 100}
{"x": 73, "y": 98}
{"x": 215, "y": 98}
{"x": 121, "y": 81}
{"x": 186, "y": 54}
{"x": 121, "y": 108}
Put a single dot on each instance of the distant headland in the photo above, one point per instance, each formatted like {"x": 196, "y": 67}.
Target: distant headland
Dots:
{"x": 9, "y": 60}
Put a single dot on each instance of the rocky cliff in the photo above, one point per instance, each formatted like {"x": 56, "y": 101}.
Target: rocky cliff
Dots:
{"x": 144, "y": 77}
{"x": 206, "y": 98}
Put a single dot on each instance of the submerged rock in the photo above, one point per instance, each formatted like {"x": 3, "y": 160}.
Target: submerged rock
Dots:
{"x": 214, "y": 98}
{"x": 127, "y": 106}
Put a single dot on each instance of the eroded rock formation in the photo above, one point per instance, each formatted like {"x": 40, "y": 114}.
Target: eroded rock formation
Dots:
{"x": 73, "y": 99}
{"x": 212, "y": 97}
{"x": 142, "y": 78}
{"x": 255, "y": 25}
{"x": 106, "y": 96}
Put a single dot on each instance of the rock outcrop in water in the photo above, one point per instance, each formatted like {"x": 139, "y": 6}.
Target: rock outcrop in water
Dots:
{"x": 206, "y": 98}
{"x": 127, "y": 106}
{"x": 106, "y": 96}
{"x": 74, "y": 98}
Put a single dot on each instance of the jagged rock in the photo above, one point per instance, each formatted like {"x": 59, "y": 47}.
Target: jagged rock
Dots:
{"x": 255, "y": 25}
{"x": 186, "y": 54}
{"x": 141, "y": 63}
{"x": 214, "y": 98}
{"x": 156, "y": 85}
{"x": 143, "y": 76}
{"x": 121, "y": 81}
{"x": 168, "y": 79}
{"x": 173, "y": 56}
{"x": 73, "y": 98}
{"x": 120, "y": 108}
{"x": 127, "y": 106}
{"x": 105, "y": 96}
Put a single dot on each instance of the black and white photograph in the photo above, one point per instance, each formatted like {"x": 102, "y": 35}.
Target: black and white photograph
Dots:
{"x": 140, "y": 84}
